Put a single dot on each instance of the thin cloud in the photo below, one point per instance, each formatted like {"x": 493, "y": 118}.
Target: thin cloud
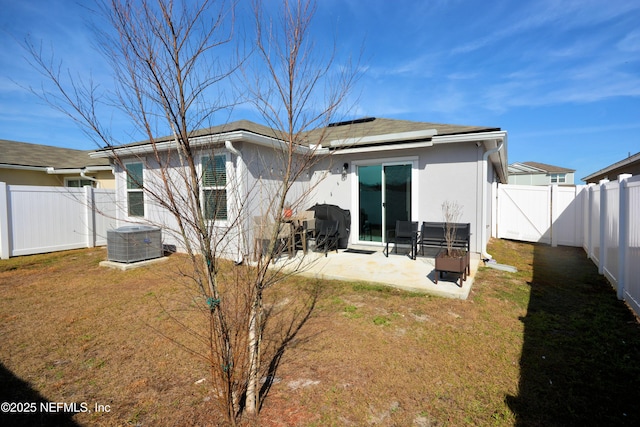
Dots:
{"x": 582, "y": 130}
{"x": 631, "y": 42}
{"x": 558, "y": 16}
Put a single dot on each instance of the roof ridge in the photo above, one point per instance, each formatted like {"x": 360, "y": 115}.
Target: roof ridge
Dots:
{"x": 547, "y": 167}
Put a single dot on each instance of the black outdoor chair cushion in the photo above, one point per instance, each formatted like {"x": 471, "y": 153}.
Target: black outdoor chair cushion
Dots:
{"x": 327, "y": 235}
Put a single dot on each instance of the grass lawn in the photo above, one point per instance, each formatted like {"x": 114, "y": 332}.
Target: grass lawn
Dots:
{"x": 549, "y": 345}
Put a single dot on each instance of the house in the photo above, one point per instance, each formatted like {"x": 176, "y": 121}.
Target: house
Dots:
{"x": 534, "y": 173}
{"x": 381, "y": 170}
{"x": 629, "y": 165}
{"x": 22, "y": 163}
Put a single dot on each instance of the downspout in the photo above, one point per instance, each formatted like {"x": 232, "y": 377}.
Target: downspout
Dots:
{"x": 483, "y": 228}
{"x": 82, "y": 174}
{"x": 239, "y": 190}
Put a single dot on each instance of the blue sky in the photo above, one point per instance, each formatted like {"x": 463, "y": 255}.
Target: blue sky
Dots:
{"x": 562, "y": 77}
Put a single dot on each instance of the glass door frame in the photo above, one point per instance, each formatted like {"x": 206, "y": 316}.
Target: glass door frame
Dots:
{"x": 355, "y": 199}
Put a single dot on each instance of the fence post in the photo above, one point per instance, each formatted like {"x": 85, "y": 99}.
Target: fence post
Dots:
{"x": 90, "y": 218}
{"x": 623, "y": 236}
{"x": 4, "y": 222}
{"x": 554, "y": 212}
{"x": 498, "y": 201}
{"x": 578, "y": 198}
{"x": 602, "y": 255}
{"x": 588, "y": 217}
{"x": 494, "y": 209}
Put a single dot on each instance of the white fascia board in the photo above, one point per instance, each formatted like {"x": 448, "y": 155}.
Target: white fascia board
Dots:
{"x": 469, "y": 137}
{"x": 158, "y": 146}
{"x": 520, "y": 169}
{"x": 147, "y": 148}
{"x": 382, "y": 148}
{"x": 502, "y": 156}
{"x": 54, "y": 171}
{"x": 62, "y": 171}
{"x": 381, "y": 139}
{"x": 24, "y": 168}
{"x": 98, "y": 168}
{"x": 200, "y": 141}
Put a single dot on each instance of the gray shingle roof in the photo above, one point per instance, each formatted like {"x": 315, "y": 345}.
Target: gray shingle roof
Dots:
{"x": 378, "y": 126}
{"x": 25, "y": 154}
{"x": 353, "y": 129}
{"x": 245, "y": 125}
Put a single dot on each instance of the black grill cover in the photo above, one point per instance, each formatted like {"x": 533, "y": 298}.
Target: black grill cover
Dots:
{"x": 335, "y": 213}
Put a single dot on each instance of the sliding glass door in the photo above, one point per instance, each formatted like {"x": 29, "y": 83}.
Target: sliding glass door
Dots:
{"x": 370, "y": 202}
{"x": 384, "y": 196}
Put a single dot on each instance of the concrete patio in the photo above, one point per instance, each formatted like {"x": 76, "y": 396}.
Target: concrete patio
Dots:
{"x": 398, "y": 270}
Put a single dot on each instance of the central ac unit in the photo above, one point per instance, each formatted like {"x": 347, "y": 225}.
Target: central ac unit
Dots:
{"x": 134, "y": 243}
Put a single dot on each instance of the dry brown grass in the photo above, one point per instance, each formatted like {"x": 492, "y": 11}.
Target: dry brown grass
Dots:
{"x": 367, "y": 355}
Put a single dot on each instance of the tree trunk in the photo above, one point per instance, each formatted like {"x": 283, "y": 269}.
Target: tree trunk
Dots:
{"x": 255, "y": 336}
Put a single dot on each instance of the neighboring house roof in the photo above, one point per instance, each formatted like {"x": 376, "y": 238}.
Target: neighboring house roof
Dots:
{"x": 22, "y": 155}
{"x": 629, "y": 165}
{"x": 526, "y": 168}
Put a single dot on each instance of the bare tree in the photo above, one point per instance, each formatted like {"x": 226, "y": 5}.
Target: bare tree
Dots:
{"x": 451, "y": 212}
{"x": 170, "y": 59}
{"x": 294, "y": 89}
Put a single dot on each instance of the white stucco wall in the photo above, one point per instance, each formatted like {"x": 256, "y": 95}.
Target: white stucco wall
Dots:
{"x": 157, "y": 215}
{"x": 446, "y": 172}
{"x": 443, "y": 172}
{"x": 253, "y": 194}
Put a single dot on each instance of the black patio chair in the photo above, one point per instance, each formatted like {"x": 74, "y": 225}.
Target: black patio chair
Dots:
{"x": 406, "y": 232}
{"x": 326, "y": 235}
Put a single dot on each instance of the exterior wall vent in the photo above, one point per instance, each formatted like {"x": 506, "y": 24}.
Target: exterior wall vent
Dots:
{"x": 134, "y": 243}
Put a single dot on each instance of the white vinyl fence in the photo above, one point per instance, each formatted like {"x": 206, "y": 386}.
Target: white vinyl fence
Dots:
{"x": 544, "y": 214}
{"x": 46, "y": 219}
{"x": 613, "y": 239}
{"x": 604, "y": 219}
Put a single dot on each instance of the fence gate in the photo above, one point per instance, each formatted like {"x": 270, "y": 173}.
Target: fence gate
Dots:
{"x": 524, "y": 213}
{"x": 544, "y": 214}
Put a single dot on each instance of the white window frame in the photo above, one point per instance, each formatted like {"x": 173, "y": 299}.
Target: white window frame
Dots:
{"x": 129, "y": 191}
{"x": 204, "y": 188}
{"x": 558, "y": 178}
{"x": 67, "y": 180}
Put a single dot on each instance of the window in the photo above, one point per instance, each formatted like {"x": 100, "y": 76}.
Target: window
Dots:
{"x": 135, "y": 194}
{"x": 558, "y": 178}
{"x": 214, "y": 192}
{"x": 78, "y": 182}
